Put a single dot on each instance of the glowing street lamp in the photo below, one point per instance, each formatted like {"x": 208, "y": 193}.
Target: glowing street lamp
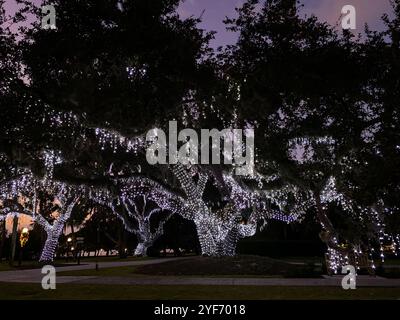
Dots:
{"x": 69, "y": 247}
{"x": 23, "y": 239}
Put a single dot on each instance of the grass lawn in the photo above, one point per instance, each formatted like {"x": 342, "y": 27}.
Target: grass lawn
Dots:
{"x": 131, "y": 272}
{"x": 4, "y": 266}
{"x": 389, "y": 262}
{"x": 302, "y": 259}
{"x": 102, "y": 259}
{"x": 103, "y": 272}
{"x": 83, "y": 292}
{"x": 106, "y": 259}
{"x": 240, "y": 266}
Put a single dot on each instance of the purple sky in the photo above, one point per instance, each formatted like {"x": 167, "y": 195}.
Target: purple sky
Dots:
{"x": 215, "y": 11}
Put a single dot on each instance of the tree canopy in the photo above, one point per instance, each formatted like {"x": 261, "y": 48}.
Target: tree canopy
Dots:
{"x": 77, "y": 102}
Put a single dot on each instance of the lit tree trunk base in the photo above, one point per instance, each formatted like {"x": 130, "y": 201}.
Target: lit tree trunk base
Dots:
{"x": 141, "y": 249}
{"x": 215, "y": 244}
{"x": 218, "y": 232}
{"x": 338, "y": 256}
{"x": 49, "y": 248}
{"x": 228, "y": 246}
{"x": 206, "y": 239}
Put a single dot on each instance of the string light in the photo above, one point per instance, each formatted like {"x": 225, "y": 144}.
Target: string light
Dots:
{"x": 218, "y": 230}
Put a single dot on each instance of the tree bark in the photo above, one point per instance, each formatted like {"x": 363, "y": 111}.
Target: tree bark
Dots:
{"x": 337, "y": 255}
{"x": 121, "y": 241}
{"x": 13, "y": 240}
{"x": 73, "y": 238}
{"x": 3, "y": 238}
{"x": 330, "y": 234}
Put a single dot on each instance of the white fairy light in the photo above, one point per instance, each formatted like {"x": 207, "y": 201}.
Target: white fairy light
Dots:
{"x": 115, "y": 141}
{"x": 25, "y": 187}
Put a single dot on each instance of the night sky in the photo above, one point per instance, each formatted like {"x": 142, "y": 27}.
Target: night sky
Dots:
{"x": 368, "y": 11}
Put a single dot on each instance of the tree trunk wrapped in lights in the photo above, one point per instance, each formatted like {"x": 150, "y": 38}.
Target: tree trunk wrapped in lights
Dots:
{"x": 142, "y": 215}
{"x": 339, "y": 255}
{"x": 131, "y": 206}
{"x": 54, "y": 230}
{"x": 218, "y": 231}
{"x": 19, "y": 197}
{"x": 141, "y": 248}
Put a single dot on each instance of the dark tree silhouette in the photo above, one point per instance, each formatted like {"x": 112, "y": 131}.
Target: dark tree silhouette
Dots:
{"x": 313, "y": 93}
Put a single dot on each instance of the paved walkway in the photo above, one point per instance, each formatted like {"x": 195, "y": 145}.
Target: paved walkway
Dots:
{"x": 35, "y": 276}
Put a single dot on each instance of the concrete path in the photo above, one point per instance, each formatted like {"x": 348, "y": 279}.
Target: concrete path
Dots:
{"x": 35, "y": 276}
